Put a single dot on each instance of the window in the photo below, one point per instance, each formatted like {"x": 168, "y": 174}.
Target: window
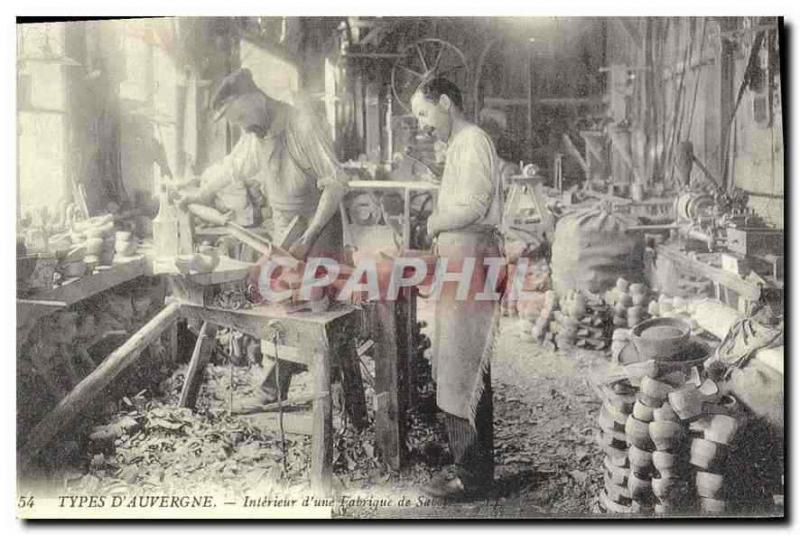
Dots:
{"x": 41, "y": 117}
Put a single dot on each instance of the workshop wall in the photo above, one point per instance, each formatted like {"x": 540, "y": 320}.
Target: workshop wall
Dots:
{"x": 565, "y": 63}
{"x": 498, "y": 53}
{"x": 758, "y": 131}
{"x": 667, "y": 103}
{"x": 655, "y": 52}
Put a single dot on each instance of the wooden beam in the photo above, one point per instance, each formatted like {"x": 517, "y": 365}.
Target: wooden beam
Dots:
{"x": 293, "y": 424}
{"x": 301, "y": 330}
{"x": 531, "y": 95}
{"x": 565, "y": 101}
{"x": 625, "y": 155}
{"x": 174, "y": 347}
{"x": 200, "y": 357}
{"x": 373, "y": 122}
{"x": 322, "y": 436}
{"x": 717, "y": 275}
{"x": 389, "y": 365}
{"x": 273, "y": 407}
{"x": 373, "y": 55}
{"x": 407, "y": 318}
{"x": 93, "y": 284}
{"x": 726, "y": 69}
{"x": 84, "y": 392}
{"x": 352, "y": 384}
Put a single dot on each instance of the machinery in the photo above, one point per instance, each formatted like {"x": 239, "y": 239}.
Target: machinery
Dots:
{"x": 723, "y": 222}
{"x": 377, "y": 213}
{"x": 525, "y": 212}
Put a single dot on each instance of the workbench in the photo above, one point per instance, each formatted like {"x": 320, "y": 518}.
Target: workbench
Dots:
{"x": 35, "y": 306}
{"x": 730, "y": 287}
{"x": 323, "y": 342}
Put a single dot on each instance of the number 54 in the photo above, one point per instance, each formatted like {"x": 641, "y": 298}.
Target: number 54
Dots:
{"x": 25, "y": 501}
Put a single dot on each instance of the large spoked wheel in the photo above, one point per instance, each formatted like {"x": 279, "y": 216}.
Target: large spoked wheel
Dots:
{"x": 426, "y": 59}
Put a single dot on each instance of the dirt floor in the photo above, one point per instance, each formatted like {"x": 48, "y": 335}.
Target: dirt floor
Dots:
{"x": 547, "y": 463}
{"x": 545, "y": 455}
{"x": 546, "y": 460}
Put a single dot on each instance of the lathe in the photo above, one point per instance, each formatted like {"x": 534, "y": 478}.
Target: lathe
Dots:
{"x": 717, "y": 238}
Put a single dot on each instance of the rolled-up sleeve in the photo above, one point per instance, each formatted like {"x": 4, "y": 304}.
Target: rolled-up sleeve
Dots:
{"x": 310, "y": 142}
{"x": 241, "y": 164}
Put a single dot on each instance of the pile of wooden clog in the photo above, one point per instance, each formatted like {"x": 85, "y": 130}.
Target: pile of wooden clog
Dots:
{"x": 713, "y": 434}
{"x": 618, "y": 401}
{"x": 582, "y": 321}
{"x": 630, "y": 303}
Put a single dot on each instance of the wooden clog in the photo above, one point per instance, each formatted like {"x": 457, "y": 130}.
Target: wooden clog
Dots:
{"x": 721, "y": 428}
{"x": 710, "y": 485}
{"x": 640, "y": 489}
{"x": 656, "y": 389}
{"x": 666, "y": 436}
{"x": 706, "y": 454}
{"x": 642, "y": 411}
{"x": 666, "y": 488}
{"x": 665, "y": 414}
{"x": 637, "y": 434}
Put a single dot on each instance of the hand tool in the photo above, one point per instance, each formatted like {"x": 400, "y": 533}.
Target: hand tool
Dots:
{"x": 264, "y": 245}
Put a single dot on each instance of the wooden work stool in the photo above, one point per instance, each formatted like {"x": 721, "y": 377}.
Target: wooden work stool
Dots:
{"x": 320, "y": 341}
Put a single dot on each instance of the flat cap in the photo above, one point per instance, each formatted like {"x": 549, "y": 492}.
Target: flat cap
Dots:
{"x": 239, "y": 82}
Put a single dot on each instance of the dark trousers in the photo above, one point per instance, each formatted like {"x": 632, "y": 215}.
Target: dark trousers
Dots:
{"x": 473, "y": 447}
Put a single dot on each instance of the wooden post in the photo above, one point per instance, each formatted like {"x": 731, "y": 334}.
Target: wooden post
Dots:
{"x": 85, "y": 391}
{"x": 373, "y": 123}
{"x": 355, "y": 402}
{"x": 408, "y": 340}
{"x": 322, "y": 437}
{"x": 531, "y": 93}
{"x": 726, "y": 98}
{"x": 406, "y": 218}
{"x": 200, "y": 357}
{"x": 389, "y": 368}
{"x": 173, "y": 341}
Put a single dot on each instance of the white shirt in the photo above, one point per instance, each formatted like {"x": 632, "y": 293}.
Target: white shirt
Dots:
{"x": 471, "y": 179}
{"x": 293, "y": 163}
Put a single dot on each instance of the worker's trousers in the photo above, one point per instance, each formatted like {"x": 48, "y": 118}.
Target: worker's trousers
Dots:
{"x": 473, "y": 447}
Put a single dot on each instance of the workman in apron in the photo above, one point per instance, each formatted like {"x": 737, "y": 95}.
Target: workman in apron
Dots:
{"x": 289, "y": 150}
{"x": 465, "y": 223}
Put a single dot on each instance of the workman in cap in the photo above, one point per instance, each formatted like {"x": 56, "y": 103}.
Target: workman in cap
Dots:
{"x": 289, "y": 150}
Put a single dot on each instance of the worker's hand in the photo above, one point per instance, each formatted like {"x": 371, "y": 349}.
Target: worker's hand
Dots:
{"x": 184, "y": 199}
{"x": 300, "y": 249}
{"x": 434, "y": 225}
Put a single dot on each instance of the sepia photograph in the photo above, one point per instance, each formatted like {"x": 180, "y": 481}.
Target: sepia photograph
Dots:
{"x": 400, "y": 267}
